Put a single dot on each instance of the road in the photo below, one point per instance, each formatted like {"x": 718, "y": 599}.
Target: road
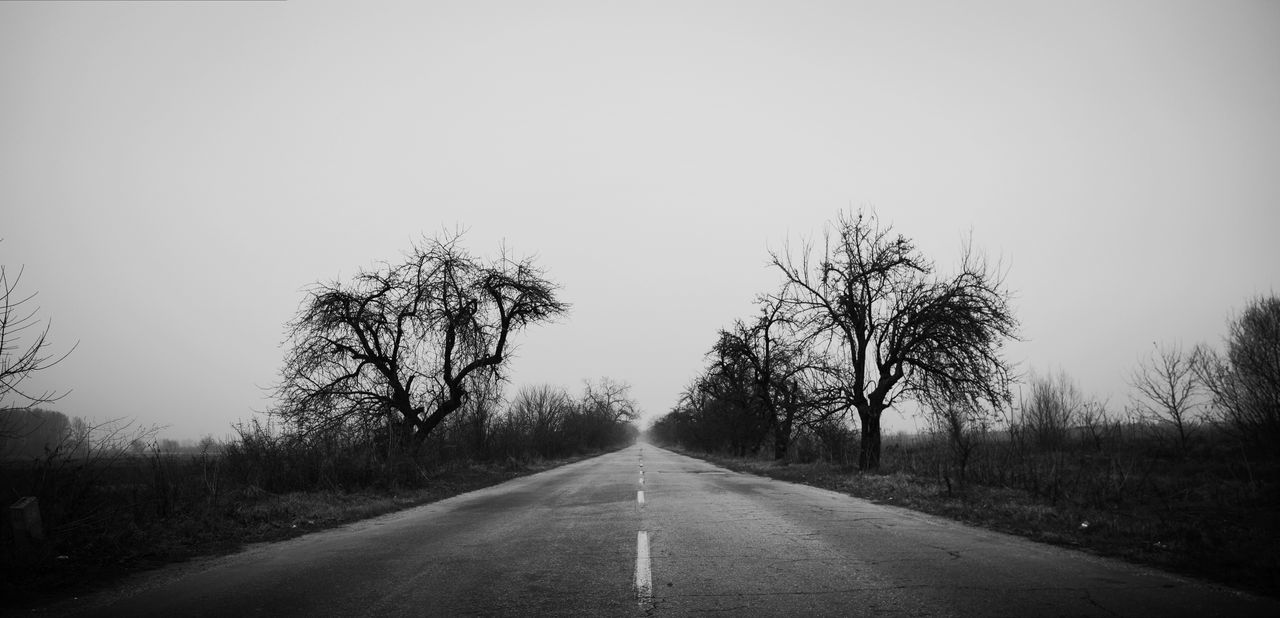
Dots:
{"x": 645, "y": 531}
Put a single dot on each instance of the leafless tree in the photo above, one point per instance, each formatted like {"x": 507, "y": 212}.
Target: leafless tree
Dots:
{"x": 1049, "y": 410}
{"x": 603, "y": 415}
{"x": 1167, "y": 389}
{"x": 24, "y": 347}
{"x": 788, "y": 382}
{"x": 1245, "y": 380}
{"x": 539, "y": 412}
{"x": 1097, "y": 424}
{"x": 609, "y": 398}
{"x": 409, "y": 338}
{"x": 474, "y": 419}
{"x": 874, "y": 302}
{"x": 961, "y": 415}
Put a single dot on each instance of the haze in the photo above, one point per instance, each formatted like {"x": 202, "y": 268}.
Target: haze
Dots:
{"x": 173, "y": 175}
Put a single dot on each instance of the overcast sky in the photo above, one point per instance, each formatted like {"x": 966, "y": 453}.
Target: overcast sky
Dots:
{"x": 172, "y": 176}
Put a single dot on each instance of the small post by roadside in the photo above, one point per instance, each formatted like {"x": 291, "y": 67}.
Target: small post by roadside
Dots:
{"x": 28, "y": 532}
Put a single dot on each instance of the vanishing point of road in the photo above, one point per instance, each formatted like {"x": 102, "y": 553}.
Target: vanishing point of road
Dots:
{"x": 647, "y": 532}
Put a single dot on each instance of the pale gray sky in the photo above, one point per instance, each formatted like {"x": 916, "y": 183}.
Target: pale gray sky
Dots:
{"x": 173, "y": 175}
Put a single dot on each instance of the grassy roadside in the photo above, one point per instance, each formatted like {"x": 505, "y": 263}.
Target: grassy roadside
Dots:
{"x": 255, "y": 517}
{"x": 1236, "y": 547}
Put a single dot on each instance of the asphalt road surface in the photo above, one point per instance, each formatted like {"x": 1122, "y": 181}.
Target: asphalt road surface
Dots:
{"x": 644, "y": 531}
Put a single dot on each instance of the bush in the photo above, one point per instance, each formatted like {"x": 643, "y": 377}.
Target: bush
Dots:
{"x": 1245, "y": 380}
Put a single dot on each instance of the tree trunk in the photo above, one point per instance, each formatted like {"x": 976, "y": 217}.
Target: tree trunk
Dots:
{"x": 869, "y": 454}
{"x": 781, "y": 439}
{"x": 404, "y": 444}
{"x": 429, "y": 423}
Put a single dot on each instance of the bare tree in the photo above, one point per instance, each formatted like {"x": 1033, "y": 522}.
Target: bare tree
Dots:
{"x": 872, "y": 300}
{"x": 603, "y": 416}
{"x": 1050, "y": 409}
{"x": 788, "y": 385}
{"x": 24, "y": 347}
{"x": 1245, "y": 380}
{"x": 609, "y": 398}
{"x": 1097, "y": 424}
{"x": 474, "y": 419}
{"x": 961, "y": 415}
{"x": 1167, "y": 388}
{"x": 539, "y": 413}
{"x": 725, "y": 410}
{"x": 408, "y": 339}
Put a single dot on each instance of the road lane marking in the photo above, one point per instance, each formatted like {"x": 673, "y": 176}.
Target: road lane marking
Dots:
{"x": 640, "y": 496}
{"x": 644, "y": 576}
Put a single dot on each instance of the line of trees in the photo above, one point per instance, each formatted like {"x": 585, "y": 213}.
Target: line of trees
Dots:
{"x": 548, "y": 421}
{"x": 31, "y": 432}
{"x": 762, "y": 386}
{"x": 536, "y": 422}
{"x": 863, "y": 322}
{"x": 859, "y": 322}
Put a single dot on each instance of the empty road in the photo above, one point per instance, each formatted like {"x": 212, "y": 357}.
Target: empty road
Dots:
{"x": 644, "y": 531}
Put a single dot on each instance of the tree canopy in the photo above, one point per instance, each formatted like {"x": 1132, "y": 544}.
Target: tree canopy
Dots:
{"x": 407, "y": 340}
{"x": 894, "y": 326}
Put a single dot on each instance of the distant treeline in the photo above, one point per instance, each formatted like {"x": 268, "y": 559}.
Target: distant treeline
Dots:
{"x": 37, "y": 433}
{"x": 27, "y": 433}
{"x": 863, "y": 322}
{"x": 538, "y": 422}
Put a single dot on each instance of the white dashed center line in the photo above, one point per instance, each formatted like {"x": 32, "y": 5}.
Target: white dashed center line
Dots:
{"x": 644, "y": 572}
{"x": 644, "y": 578}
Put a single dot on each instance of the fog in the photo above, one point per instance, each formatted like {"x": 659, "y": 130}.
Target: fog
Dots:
{"x": 172, "y": 176}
